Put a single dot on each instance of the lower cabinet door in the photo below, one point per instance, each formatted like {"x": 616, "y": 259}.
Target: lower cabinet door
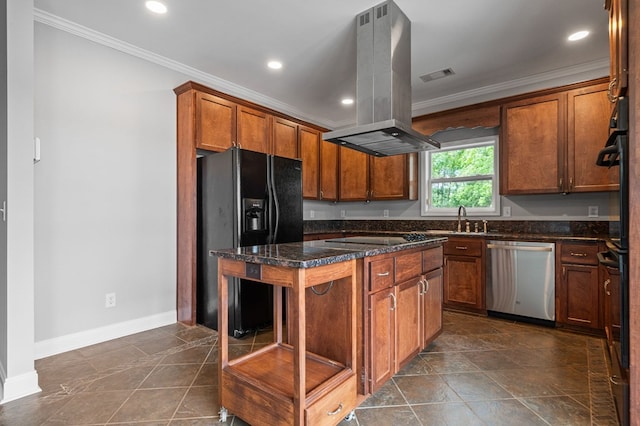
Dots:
{"x": 463, "y": 285}
{"x": 407, "y": 312}
{"x": 431, "y": 320}
{"x": 579, "y": 296}
{"x": 382, "y": 337}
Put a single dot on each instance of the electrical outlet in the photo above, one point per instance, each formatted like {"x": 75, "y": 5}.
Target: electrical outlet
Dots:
{"x": 506, "y": 211}
{"x": 110, "y": 300}
{"x": 312, "y": 214}
{"x": 593, "y": 211}
{"x": 343, "y": 213}
{"x": 385, "y": 213}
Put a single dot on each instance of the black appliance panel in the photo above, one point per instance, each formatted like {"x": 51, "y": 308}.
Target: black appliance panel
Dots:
{"x": 235, "y": 201}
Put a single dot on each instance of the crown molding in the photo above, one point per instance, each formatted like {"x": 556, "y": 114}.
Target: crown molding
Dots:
{"x": 545, "y": 80}
{"x": 555, "y": 78}
{"x": 192, "y": 73}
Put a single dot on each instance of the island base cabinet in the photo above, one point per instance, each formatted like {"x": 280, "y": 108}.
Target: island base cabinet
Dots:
{"x": 431, "y": 305}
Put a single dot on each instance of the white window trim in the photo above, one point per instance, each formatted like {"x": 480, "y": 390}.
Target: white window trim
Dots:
{"x": 425, "y": 188}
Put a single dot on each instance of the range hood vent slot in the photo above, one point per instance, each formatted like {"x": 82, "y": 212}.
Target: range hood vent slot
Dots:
{"x": 383, "y": 93}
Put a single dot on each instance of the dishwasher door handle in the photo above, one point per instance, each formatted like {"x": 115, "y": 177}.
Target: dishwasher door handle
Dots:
{"x": 523, "y": 248}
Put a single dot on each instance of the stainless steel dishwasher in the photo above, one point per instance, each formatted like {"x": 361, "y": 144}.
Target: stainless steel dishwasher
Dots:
{"x": 521, "y": 279}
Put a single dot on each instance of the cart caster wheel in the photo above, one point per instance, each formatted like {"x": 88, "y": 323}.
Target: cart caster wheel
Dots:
{"x": 351, "y": 416}
{"x": 223, "y": 415}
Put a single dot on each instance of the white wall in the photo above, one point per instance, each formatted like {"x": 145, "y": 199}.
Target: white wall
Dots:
{"x": 523, "y": 207}
{"x": 105, "y": 192}
{"x": 17, "y": 372}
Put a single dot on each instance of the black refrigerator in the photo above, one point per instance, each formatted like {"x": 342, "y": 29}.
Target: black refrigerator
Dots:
{"x": 245, "y": 198}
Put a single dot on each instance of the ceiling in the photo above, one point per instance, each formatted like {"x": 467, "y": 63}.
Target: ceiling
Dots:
{"x": 496, "y": 48}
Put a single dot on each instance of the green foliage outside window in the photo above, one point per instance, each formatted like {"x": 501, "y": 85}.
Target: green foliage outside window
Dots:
{"x": 462, "y": 177}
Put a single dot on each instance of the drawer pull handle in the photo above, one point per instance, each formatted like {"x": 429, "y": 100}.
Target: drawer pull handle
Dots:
{"x": 461, "y": 247}
{"x": 616, "y": 380}
{"x": 606, "y": 287}
{"x": 336, "y": 411}
{"x": 383, "y": 274}
{"x": 393, "y": 299}
{"x": 578, "y": 254}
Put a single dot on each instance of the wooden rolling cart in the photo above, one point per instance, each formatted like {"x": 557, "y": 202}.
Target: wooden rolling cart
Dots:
{"x": 285, "y": 383}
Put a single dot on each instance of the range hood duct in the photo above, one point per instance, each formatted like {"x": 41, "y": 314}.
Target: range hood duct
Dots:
{"x": 383, "y": 125}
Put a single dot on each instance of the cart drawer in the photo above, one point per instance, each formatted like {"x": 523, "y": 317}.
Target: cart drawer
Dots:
{"x": 332, "y": 408}
{"x": 381, "y": 274}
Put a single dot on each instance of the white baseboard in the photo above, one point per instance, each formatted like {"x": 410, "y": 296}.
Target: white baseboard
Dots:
{"x": 19, "y": 386}
{"x": 81, "y": 339}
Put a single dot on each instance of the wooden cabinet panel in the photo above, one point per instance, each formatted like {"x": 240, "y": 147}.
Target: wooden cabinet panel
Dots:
{"x": 588, "y": 128}
{"x": 381, "y": 274}
{"x": 468, "y": 116}
{"x": 462, "y": 276}
{"x": 579, "y": 296}
{"x": 382, "y": 338}
{"x": 431, "y": 323}
{"x": 310, "y": 152}
{"x": 408, "y": 266}
{"x": 388, "y": 178}
{"x": 253, "y": 129}
{"x": 407, "y": 315}
{"x": 611, "y": 317}
{"x": 618, "y": 56}
{"x": 285, "y": 138}
{"x": 328, "y": 171}
{"x": 532, "y": 145}
{"x": 583, "y": 254}
{"x": 463, "y": 247}
{"x": 432, "y": 259}
{"x": 354, "y": 173}
{"x": 215, "y": 120}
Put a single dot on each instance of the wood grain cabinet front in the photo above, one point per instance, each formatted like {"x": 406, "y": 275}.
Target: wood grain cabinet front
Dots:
{"x": 215, "y": 122}
{"x": 578, "y": 286}
{"x": 404, "y": 313}
{"x": 464, "y": 267}
{"x": 366, "y": 178}
{"x": 549, "y": 143}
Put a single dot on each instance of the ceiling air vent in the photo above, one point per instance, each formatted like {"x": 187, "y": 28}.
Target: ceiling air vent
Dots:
{"x": 436, "y": 75}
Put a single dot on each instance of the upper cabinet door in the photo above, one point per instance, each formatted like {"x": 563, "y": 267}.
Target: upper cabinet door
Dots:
{"x": 285, "y": 138}
{"x": 215, "y": 122}
{"x": 328, "y": 171}
{"x": 354, "y": 174}
{"x": 253, "y": 129}
{"x": 389, "y": 178}
{"x": 310, "y": 153}
{"x": 532, "y": 145}
{"x": 588, "y": 129}
{"x": 617, "y": 47}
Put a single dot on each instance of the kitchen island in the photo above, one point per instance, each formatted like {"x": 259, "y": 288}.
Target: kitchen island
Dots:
{"x": 317, "y": 374}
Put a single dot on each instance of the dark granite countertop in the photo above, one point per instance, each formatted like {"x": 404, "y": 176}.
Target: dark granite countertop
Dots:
{"x": 517, "y": 230}
{"x": 310, "y": 254}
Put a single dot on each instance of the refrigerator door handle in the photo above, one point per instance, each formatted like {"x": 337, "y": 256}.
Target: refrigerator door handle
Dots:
{"x": 274, "y": 195}
{"x": 270, "y": 237}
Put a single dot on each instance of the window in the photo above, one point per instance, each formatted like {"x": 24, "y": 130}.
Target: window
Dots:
{"x": 463, "y": 173}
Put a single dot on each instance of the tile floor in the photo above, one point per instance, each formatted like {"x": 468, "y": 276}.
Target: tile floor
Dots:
{"x": 480, "y": 371}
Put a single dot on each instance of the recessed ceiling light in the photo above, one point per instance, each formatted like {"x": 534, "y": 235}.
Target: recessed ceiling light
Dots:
{"x": 347, "y": 101}
{"x": 578, "y": 35}
{"x": 156, "y": 6}
{"x": 274, "y": 65}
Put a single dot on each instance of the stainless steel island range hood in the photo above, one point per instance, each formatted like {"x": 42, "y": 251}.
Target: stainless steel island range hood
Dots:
{"x": 383, "y": 126}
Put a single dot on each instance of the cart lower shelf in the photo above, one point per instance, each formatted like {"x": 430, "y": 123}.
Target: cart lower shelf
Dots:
{"x": 259, "y": 388}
